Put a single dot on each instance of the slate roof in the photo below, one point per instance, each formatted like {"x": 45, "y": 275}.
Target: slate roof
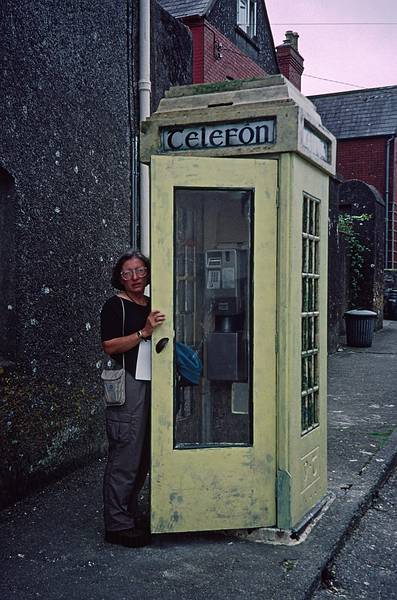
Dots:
{"x": 186, "y": 8}
{"x": 361, "y": 113}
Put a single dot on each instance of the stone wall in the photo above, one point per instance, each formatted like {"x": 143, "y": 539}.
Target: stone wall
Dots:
{"x": 354, "y": 198}
{"x": 172, "y": 53}
{"x": 358, "y": 198}
{"x": 66, "y": 148}
{"x": 69, "y": 117}
{"x": 338, "y": 272}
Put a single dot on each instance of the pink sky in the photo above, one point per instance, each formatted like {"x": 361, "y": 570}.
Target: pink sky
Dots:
{"x": 364, "y": 55}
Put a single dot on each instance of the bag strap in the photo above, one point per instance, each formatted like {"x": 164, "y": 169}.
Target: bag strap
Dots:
{"x": 122, "y": 304}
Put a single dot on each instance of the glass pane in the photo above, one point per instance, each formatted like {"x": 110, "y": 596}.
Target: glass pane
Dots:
{"x": 310, "y": 227}
{"x": 304, "y": 334}
{"x": 317, "y": 221}
{"x": 316, "y": 294}
{"x": 311, "y": 256}
{"x": 213, "y": 315}
{"x": 305, "y": 227}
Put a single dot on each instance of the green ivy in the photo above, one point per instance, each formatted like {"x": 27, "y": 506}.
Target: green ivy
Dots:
{"x": 356, "y": 249}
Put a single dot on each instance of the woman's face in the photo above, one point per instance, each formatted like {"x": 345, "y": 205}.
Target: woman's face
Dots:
{"x": 138, "y": 280}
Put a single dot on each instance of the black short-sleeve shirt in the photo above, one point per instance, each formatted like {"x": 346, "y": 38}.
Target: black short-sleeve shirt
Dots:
{"x": 112, "y": 326}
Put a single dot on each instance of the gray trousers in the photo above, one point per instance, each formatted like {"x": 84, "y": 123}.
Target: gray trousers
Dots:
{"x": 128, "y": 431}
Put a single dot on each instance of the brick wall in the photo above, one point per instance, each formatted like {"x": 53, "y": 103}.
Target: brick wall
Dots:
{"x": 197, "y": 30}
{"x": 223, "y": 60}
{"x": 215, "y": 58}
{"x": 260, "y": 49}
{"x": 363, "y": 159}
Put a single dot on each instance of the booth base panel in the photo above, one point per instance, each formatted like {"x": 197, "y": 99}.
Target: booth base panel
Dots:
{"x": 287, "y": 537}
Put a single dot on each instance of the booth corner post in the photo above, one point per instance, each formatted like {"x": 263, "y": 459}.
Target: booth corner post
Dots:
{"x": 239, "y": 211}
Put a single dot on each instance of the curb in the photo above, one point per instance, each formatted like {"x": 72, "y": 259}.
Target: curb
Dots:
{"x": 349, "y": 508}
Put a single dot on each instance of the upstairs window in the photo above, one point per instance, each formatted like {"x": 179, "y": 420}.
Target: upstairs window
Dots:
{"x": 246, "y": 16}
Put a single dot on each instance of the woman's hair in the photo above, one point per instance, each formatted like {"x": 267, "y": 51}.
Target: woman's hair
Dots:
{"x": 116, "y": 280}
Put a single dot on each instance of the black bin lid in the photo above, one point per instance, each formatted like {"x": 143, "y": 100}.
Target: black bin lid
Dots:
{"x": 360, "y": 314}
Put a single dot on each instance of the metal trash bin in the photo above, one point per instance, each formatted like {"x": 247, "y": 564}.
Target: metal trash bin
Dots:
{"x": 359, "y": 327}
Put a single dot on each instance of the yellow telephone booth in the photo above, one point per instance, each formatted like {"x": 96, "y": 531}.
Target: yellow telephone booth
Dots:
{"x": 239, "y": 212}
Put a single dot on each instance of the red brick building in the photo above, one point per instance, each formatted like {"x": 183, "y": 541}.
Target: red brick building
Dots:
{"x": 231, "y": 39}
{"x": 365, "y": 125}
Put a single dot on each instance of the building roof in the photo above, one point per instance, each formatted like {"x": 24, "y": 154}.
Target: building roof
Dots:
{"x": 361, "y": 113}
{"x": 186, "y": 8}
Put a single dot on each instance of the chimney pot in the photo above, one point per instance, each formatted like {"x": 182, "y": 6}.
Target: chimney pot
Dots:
{"x": 291, "y": 39}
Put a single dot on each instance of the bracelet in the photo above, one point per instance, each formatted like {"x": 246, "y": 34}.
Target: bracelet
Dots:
{"x": 141, "y": 336}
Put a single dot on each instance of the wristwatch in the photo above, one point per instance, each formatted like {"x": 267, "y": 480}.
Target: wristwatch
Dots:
{"x": 140, "y": 335}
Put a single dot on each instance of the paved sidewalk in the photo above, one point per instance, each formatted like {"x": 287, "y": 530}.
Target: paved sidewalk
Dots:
{"x": 365, "y": 568}
{"x": 51, "y": 544}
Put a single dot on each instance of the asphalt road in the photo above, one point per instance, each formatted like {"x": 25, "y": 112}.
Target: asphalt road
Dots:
{"x": 367, "y": 565}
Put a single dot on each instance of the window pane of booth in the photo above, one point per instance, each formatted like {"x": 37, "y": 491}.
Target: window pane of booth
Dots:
{"x": 213, "y": 316}
{"x": 310, "y": 313}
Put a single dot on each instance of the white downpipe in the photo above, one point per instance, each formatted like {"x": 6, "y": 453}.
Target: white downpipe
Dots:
{"x": 144, "y": 87}
{"x": 387, "y": 175}
{"x": 390, "y": 259}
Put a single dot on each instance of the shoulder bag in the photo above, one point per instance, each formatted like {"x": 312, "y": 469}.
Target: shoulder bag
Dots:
{"x": 114, "y": 380}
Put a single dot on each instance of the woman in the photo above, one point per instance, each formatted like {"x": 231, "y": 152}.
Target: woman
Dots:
{"x": 127, "y": 426}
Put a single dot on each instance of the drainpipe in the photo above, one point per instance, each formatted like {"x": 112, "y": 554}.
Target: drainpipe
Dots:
{"x": 132, "y": 133}
{"x": 144, "y": 87}
{"x": 387, "y": 194}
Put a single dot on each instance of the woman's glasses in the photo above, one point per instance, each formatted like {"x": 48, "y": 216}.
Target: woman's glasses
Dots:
{"x": 139, "y": 272}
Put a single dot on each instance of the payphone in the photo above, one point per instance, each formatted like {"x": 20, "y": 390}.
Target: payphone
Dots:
{"x": 226, "y": 288}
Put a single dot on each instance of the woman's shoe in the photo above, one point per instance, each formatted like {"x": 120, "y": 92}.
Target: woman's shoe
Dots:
{"x": 131, "y": 538}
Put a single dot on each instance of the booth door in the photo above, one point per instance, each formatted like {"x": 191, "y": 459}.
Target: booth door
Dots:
{"x": 213, "y": 252}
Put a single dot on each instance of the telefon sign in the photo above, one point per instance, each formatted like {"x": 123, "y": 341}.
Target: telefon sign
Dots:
{"x": 219, "y": 135}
